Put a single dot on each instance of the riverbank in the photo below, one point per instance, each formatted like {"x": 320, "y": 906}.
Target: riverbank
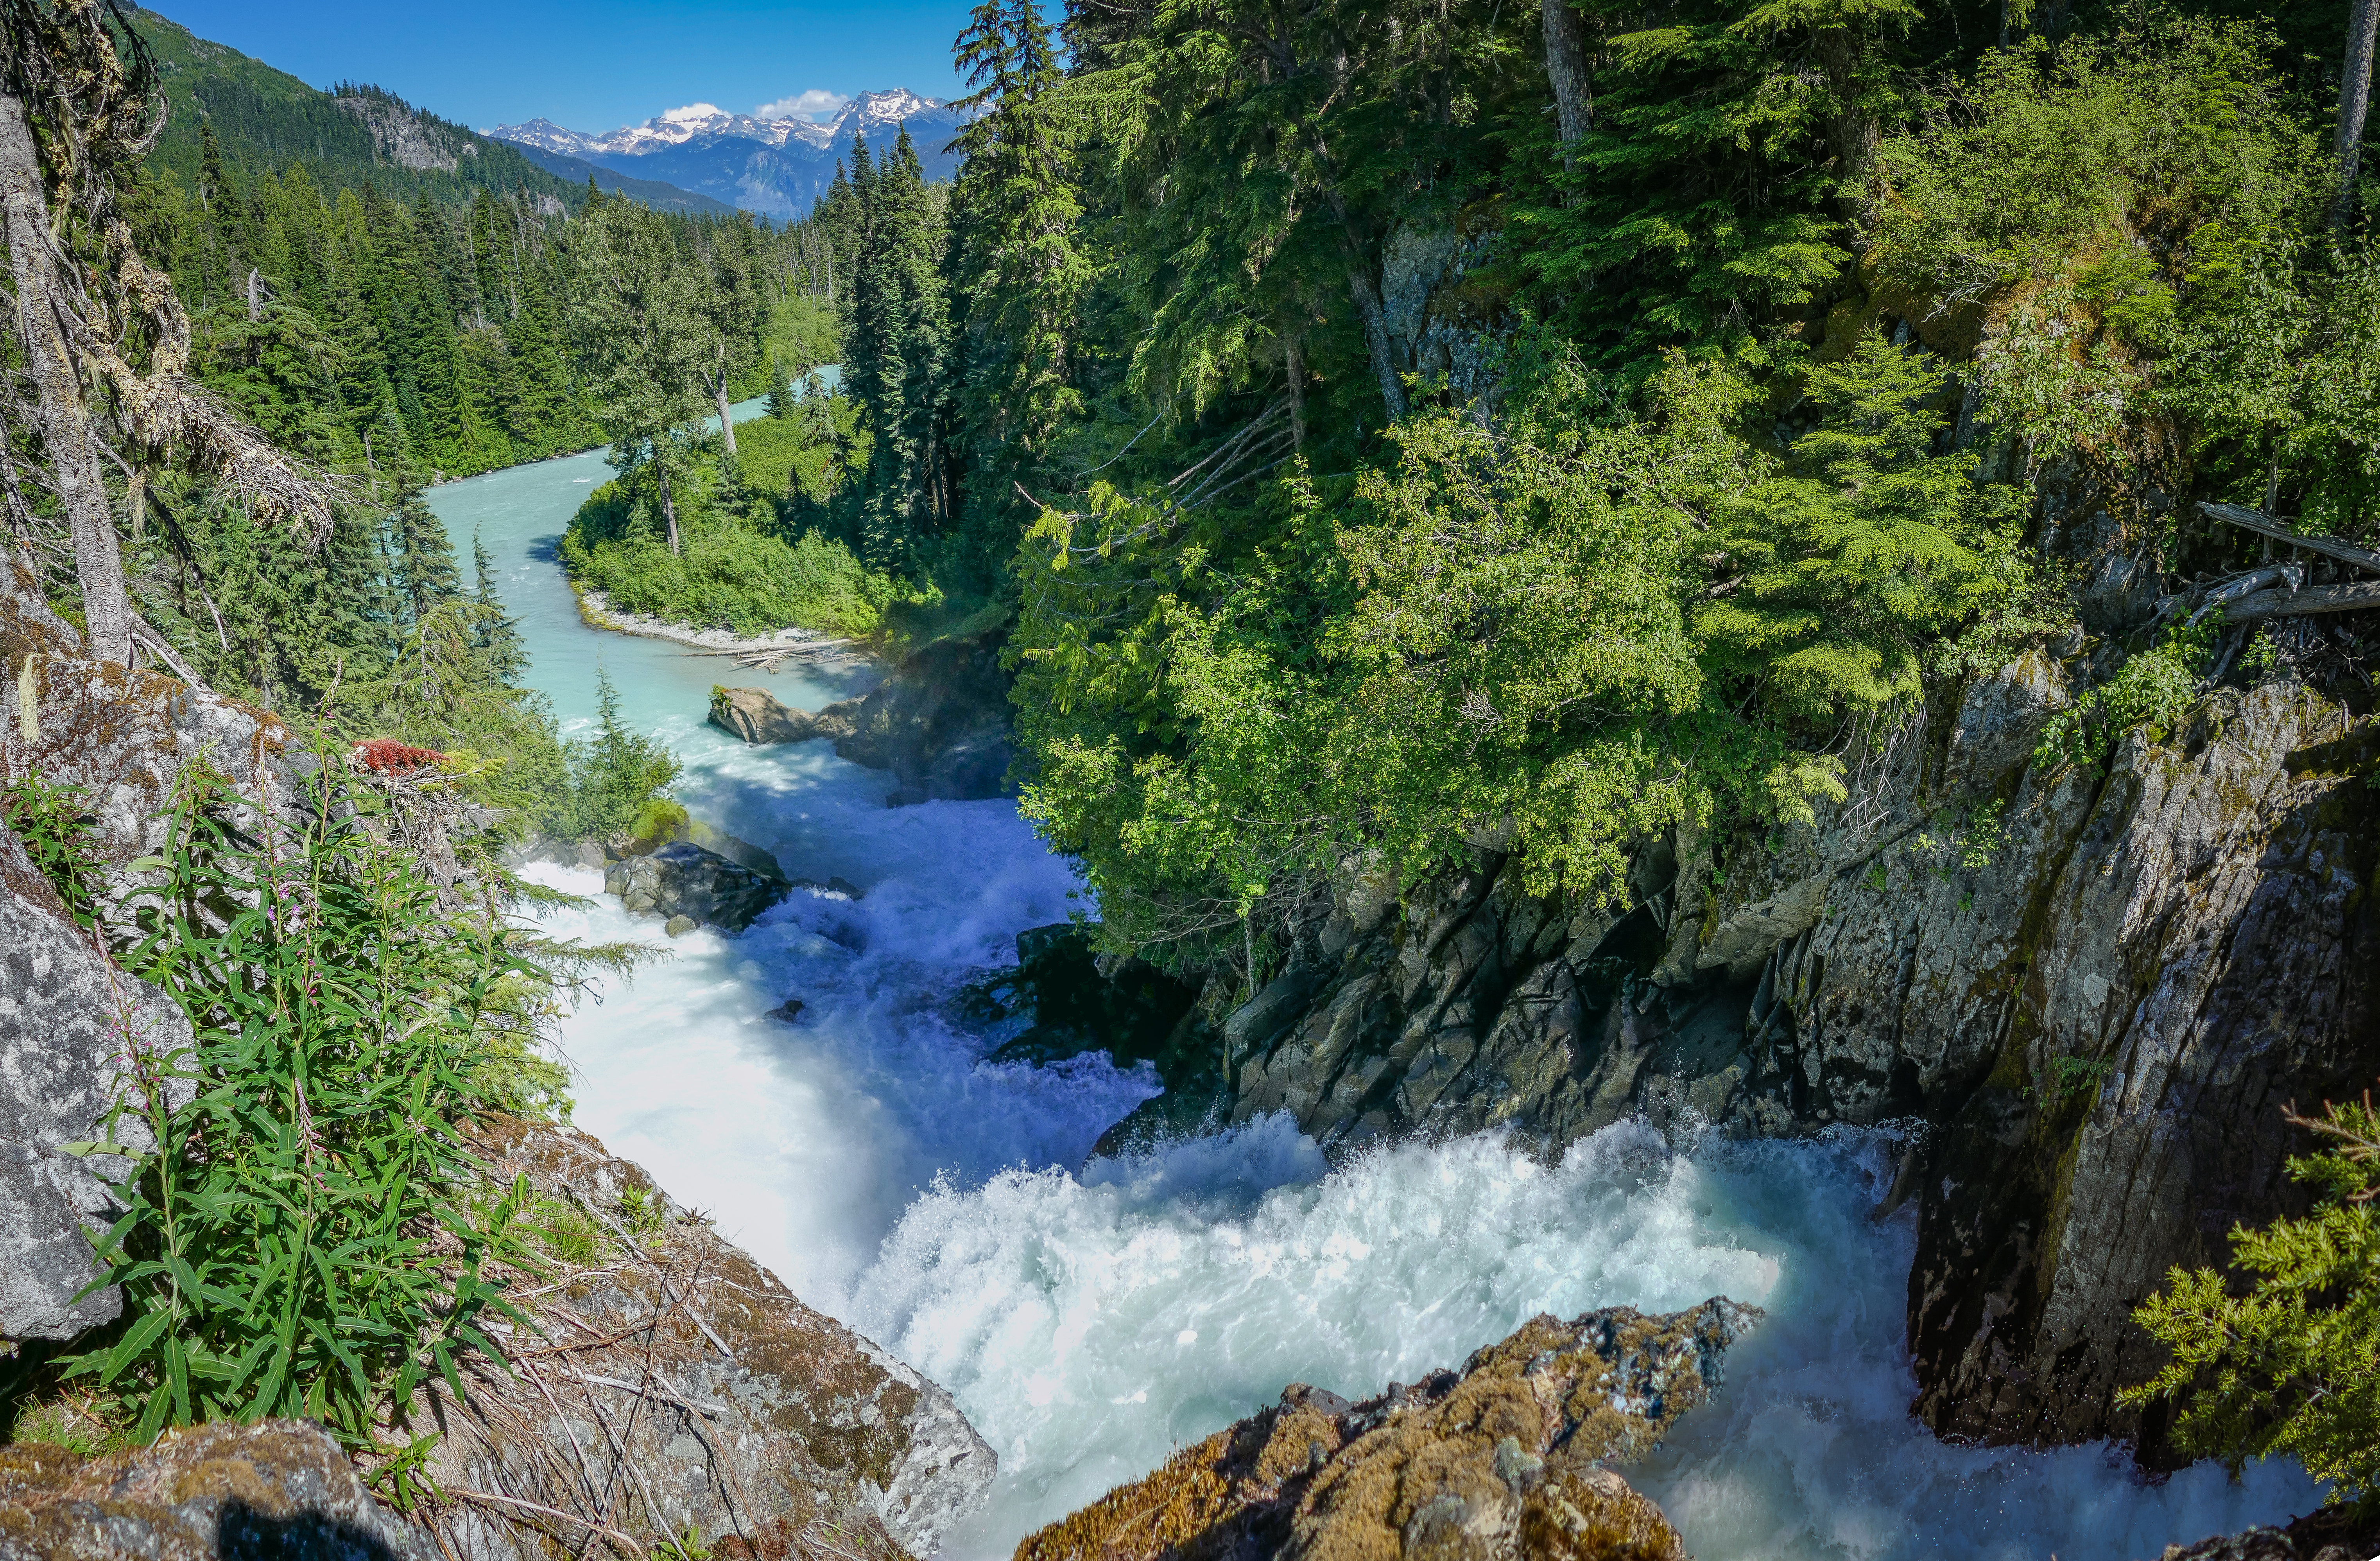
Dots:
{"x": 805, "y": 644}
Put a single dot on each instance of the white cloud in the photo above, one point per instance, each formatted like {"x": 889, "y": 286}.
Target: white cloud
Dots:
{"x": 816, "y": 103}
{"x": 692, "y": 111}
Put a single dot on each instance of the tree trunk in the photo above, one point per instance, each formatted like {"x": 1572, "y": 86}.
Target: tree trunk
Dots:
{"x": 1376, "y": 334}
{"x": 1566, "y": 69}
{"x": 1294, "y": 361}
{"x": 65, "y": 421}
{"x": 255, "y": 298}
{"x": 1366, "y": 295}
{"x": 668, "y": 508}
{"x": 727, "y": 424}
{"x": 2354, "y": 102}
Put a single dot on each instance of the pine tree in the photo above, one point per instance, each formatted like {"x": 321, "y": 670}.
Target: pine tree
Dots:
{"x": 895, "y": 364}
{"x": 423, "y": 558}
{"x": 1014, "y": 213}
{"x": 497, "y": 632}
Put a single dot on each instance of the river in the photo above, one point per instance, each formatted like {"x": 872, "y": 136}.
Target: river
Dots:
{"x": 1092, "y": 1318}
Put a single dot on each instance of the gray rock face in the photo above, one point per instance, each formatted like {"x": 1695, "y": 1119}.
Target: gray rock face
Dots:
{"x": 740, "y": 1411}
{"x": 2101, "y": 990}
{"x": 69, "y": 1021}
{"x": 125, "y": 738}
{"x": 282, "y": 1489}
{"x": 683, "y": 879}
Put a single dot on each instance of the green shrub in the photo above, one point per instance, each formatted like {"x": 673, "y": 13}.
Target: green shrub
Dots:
{"x": 731, "y": 574}
{"x": 297, "y": 1245}
{"x": 2292, "y": 1366}
{"x": 617, "y": 778}
{"x": 49, "y": 822}
{"x": 2153, "y": 690}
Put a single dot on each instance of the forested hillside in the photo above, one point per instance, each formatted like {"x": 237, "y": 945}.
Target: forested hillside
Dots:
{"x": 375, "y": 306}
{"x": 264, "y": 119}
{"x": 1396, "y": 422}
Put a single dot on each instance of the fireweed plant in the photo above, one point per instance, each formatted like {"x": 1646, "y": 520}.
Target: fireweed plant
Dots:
{"x": 294, "y": 1243}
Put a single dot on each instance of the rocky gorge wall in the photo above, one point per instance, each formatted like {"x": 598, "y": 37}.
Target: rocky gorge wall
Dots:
{"x": 2090, "y": 994}
{"x": 668, "y": 1387}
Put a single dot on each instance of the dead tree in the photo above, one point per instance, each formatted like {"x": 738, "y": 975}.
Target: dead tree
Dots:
{"x": 101, "y": 328}
{"x": 2354, "y": 102}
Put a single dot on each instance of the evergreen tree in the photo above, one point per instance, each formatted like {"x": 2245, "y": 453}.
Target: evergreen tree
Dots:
{"x": 1019, "y": 271}
{"x": 896, "y": 364}
{"x": 644, "y": 340}
{"x": 422, "y": 558}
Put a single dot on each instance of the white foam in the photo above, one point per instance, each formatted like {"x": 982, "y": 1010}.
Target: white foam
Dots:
{"x": 1090, "y": 1322}
{"x": 1090, "y": 1326}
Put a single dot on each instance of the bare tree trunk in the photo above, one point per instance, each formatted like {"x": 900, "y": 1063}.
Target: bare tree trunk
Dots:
{"x": 1294, "y": 361}
{"x": 2355, "y": 102}
{"x": 1376, "y": 333}
{"x": 255, "y": 298}
{"x": 726, "y": 423}
{"x": 1366, "y": 295}
{"x": 65, "y": 421}
{"x": 1566, "y": 69}
{"x": 668, "y": 508}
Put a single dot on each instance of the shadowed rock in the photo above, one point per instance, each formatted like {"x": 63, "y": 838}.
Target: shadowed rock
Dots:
{"x": 683, "y": 879}
{"x": 939, "y": 722}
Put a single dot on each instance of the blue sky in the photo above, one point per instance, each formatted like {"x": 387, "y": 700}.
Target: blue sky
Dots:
{"x": 592, "y": 64}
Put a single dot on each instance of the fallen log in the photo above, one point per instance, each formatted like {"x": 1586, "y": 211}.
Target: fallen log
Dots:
{"x": 2265, "y": 526}
{"x": 2353, "y": 598}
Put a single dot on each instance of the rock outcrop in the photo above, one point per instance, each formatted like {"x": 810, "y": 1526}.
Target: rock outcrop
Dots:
{"x": 70, "y": 1025}
{"x": 760, "y": 717}
{"x": 679, "y": 1387}
{"x": 124, "y": 736}
{"x": 2100, "y": 989}
{"x": 1502, "y": 1459}
{"x": 283, "y": 1489}
{"x": 683, "y": 879}
{"x": 938, "y": 720}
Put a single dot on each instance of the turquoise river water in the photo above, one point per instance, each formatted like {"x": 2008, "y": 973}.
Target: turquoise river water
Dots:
{"x": 1092, "y": 1317}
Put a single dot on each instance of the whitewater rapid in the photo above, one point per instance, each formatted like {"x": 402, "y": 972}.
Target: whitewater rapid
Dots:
{"x": 1092, "y": 1318}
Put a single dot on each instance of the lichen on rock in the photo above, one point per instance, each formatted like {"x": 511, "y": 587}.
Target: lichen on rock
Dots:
{"x": 1504, "y": 1458}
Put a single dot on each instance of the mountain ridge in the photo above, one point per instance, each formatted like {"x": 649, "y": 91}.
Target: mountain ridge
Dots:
{"x": 265, "y": 119}
{"x": 778, "y": 167}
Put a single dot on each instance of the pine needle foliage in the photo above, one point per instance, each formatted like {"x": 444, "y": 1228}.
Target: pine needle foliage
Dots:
{"x": 2291, "y": 1366}
{"x": 294, "y": 1244}
{"x": 1866, "y": 548}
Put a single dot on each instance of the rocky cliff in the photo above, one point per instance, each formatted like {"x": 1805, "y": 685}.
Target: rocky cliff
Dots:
{"x": 2099, "y": 989}
{"x": 671, "y": 1385}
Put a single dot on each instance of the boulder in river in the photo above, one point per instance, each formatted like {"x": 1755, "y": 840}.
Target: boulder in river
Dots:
{"x": 938, "y": 720}
{"x": 1503, "y": 1458}
{"x": 683, "y": 879}
{"x": 760, "y": 717}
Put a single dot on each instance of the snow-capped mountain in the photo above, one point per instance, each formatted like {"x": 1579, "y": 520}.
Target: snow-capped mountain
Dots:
{"x": 779, "y": 166}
